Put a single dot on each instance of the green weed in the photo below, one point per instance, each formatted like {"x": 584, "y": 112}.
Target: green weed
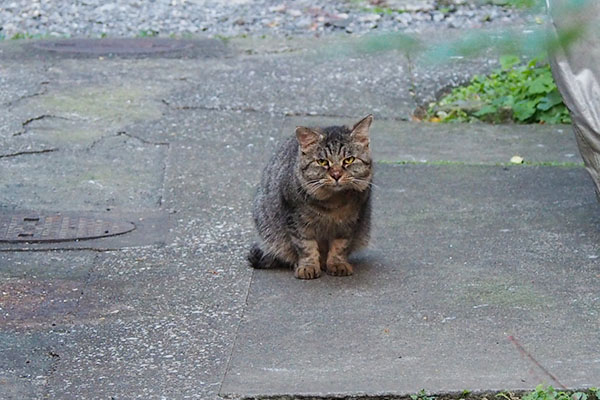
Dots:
{"x": 19, "y": 36}
{"x": 523, "y": 94}
{"x": 148, "y": 33}
{"x": 549, "y": 393}
{"x": 381, "y": 10}
{"x": 422, "y": 395}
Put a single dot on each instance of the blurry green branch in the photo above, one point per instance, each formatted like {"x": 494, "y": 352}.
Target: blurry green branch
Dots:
{"x": 530, "y": 40}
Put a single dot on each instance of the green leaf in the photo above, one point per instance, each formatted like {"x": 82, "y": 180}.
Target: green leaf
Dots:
{"x": 579, "y": 396}
{"x": 523, "y": 110}
{"x": 508, "y": 61}
{"x": 541, "y": 84}
{"x": 550, "y": 100}
{"x": 485, "y": 110}
{"x": 504, "y": 101}
{"x": 531, "y": 64}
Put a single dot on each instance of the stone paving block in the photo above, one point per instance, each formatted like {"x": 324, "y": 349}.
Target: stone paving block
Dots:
{"x": 478, "y": 277}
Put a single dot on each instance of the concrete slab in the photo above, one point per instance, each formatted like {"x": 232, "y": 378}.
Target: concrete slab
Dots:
{"x": 292, "y": 84}
{"x": 474, "y": 143}
{"x": 464, "y": 287}
{"x": 120, "y": 173}
{"x": 162, "y": 319}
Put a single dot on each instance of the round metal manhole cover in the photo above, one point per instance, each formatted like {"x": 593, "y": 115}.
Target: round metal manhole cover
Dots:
{"x": 113, "y": 46}
{"x": 29, "y": 227}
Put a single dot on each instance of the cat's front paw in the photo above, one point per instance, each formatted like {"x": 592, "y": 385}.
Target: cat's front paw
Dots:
{"x": 307, "y": 271}
{"x": 339, "y": 269}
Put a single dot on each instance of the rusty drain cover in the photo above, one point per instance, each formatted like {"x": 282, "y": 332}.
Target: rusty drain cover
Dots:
{"x": 113, "y": 46}
{"x": 29, "y": 227}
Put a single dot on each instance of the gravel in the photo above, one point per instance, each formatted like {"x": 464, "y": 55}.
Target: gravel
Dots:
{"x": 183, "y": 18}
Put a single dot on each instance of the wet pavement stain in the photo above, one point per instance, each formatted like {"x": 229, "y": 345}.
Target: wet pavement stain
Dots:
{"x": 28, "y": 303}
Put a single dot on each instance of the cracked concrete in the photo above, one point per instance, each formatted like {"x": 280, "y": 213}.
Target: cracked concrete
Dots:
{"x": 28, "y": 152}
{"x": 465, "y": 255}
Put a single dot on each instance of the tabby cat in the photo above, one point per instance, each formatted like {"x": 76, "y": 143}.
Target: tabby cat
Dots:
{"x": 312, "y": 207}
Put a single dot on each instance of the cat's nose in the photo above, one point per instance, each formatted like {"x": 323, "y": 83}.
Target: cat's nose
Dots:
{"x": 335, "y": 174}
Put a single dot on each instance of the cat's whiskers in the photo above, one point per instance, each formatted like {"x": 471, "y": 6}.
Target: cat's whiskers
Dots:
{"x": 312, "y": 187}
{"x": 372, "y": 184}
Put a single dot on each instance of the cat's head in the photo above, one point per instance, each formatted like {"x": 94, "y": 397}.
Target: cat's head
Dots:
{"x": 335, "y": 158}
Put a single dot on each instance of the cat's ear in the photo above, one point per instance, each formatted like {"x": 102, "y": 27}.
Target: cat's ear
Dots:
{"x": 307, "y": 137}
{"x": 360, "y": 131}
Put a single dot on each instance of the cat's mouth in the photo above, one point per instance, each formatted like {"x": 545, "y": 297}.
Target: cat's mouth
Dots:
{"x": 339, "y": 184}
{"x": 349, "y": 183}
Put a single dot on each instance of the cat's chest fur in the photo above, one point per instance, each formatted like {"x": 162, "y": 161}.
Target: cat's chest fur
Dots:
{"x": 333, "y": 214}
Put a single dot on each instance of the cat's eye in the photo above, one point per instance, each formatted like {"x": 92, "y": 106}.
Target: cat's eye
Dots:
{"x": 323, "y": 162}
{"x": 349, "y": 160}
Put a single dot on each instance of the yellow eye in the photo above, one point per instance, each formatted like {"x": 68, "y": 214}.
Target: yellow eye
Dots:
{"x": 349, "y": 160}
{"x": 323, "y": 163}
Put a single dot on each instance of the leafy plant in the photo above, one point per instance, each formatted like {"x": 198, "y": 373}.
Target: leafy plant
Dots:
{"x": 380, "y": 10}
{"x": 148, "y": 33}
{"x": 524, "y": 94}
{"x": 19, "y": 36}
{"x": 549, "y": 393}
{"x": 422, "y": 395}
{"x": 541, "y": 392}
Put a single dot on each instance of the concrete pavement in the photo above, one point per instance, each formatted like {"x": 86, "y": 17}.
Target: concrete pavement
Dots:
{"x": 481, "y": 276}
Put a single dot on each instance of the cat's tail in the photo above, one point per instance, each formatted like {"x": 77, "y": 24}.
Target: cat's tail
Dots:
{"x": 259, "y": 260}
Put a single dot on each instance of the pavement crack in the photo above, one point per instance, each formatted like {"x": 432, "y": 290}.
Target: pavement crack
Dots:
{"x": 83, "y": 292}
{"x": 28, "y": 152}
{"x": 530, "y": 357}
{"x": 54, "y": 249}
{"x": 95, "y": 142}
{"x": 142, "y": 139}
{"x": 165, "y": 172}
{"x": 26, "y": 123}
{"x": 284, "y": 113}
{"x": 42, "y": 92}
{"x": 237, "y": 330}
{"x": 312, "y": 114}
{"x": 123, "y": 133}
{"x": 214, "y": 108}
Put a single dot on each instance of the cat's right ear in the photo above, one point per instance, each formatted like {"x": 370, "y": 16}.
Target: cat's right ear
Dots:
{"x": 307, "y": 138}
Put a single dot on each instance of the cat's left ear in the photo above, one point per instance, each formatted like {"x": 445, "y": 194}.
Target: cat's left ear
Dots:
{"x": 360, "y": 131}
